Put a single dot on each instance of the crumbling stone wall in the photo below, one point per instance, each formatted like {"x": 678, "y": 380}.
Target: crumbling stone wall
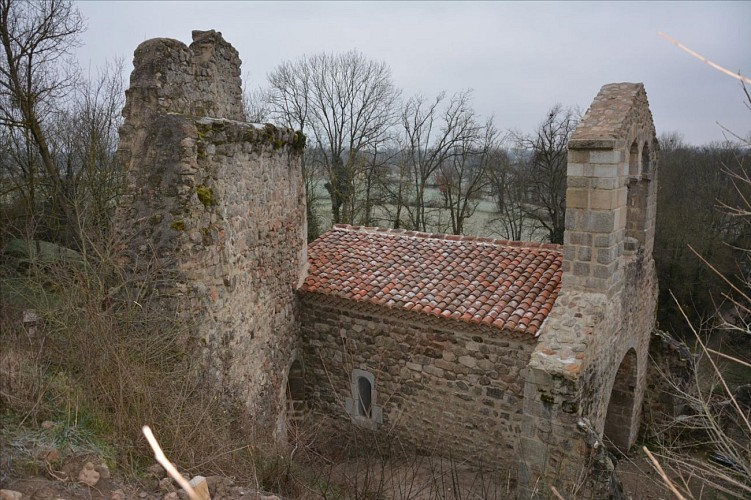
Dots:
{"x": 606, "y": 309}
{"x": 214, "y": 217}
{"x": 443, "y": 386}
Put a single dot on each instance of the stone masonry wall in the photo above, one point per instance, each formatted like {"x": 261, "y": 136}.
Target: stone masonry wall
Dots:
{"x": 607, "y": 305}
{"x": 444, "y": 386}
{"x": 214, "y": 217}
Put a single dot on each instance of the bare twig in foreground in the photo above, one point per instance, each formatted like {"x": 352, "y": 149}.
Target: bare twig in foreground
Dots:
{"x": 556, "y": 494}
{"x": 703, "y": 59}
{"x": 162, "y": 459}
{"x": 664, "y": 476}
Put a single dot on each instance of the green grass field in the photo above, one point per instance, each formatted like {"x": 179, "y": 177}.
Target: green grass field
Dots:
{"x": 480, "y": 224}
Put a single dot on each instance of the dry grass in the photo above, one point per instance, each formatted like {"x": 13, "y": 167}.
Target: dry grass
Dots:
{"x": 104, "y": 358}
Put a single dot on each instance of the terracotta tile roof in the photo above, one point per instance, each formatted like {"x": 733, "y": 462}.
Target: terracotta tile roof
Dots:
{"x": 507, "y": 284}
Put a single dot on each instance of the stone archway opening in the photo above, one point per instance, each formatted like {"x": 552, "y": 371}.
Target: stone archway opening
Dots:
{"x": 637, "y": 213}
{"x": 646, "y": 164}
{"x": 619, "y": 421}
{"x": 295, "y": 392}
{"x": 633, "y": 160}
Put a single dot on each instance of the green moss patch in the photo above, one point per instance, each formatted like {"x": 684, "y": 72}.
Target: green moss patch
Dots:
{"x": 205, "y": 196}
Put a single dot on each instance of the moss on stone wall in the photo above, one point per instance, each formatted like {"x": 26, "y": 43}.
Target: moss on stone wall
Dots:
{"x": 205, "y": 196}
{"x": 219, "y": 132}
{"x": 298, "y": 142}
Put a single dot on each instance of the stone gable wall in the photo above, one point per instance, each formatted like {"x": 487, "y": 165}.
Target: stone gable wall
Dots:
{"x": 444, "y": 386}
{"x": 607, "y": 306}
{"x": 214, "y": 216}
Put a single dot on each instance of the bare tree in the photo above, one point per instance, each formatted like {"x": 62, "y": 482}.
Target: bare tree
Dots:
{"x": 345, "y": 102}
{"x": 547, "y": 170}
{"x": 377, "y": 184}
{"x": 432, "y": 134}
{"x": 507, "y": 176}
{"x": 256, "y": 103}
{"x": 86, "y": 137}
{"x": 713, "y": 388}
{"x": 697, "y": 177}
{"x": 35, "y": 80}
{"x": 463, "y": 179}
{"x": 288, "y": 98}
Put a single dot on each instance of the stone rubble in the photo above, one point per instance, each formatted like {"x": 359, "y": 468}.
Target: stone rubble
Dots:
{"x": 88, "y": 475}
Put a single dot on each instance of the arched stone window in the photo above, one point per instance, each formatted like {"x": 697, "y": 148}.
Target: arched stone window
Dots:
{"x": 646, "y": 167}
{"x": 362, "y": 406}
{"x": 639, "y": 168}
{"x": 633, "y": 160}
{"x": 364, "y": 397}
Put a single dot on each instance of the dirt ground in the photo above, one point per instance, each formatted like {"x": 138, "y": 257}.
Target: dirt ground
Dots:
{"x": 429, "y": 480}
{"x": 639, "y": 479}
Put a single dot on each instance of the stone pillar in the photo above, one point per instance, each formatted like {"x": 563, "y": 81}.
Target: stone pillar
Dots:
{"x": 595, "y": 217}
{"x": 611, "y": 198}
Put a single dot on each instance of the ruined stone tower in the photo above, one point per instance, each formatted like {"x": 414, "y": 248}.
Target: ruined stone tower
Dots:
{"x": 214, "y": 216}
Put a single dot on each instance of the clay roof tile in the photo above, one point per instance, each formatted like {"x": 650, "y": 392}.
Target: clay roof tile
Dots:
{"x": 509, "y": 285}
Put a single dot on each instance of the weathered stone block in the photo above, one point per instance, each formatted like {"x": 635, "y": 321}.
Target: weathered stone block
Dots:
{"x": 577, "y": 238}
{"x": 613, "y": 156}
{"x": 569, "y": 252}
{"x": 584, "y": 254}
{"x": 607, "y": 255}
{"x": 468, "y": 361}
{"x": 578, "y": 182}
{"x": 599, "y": 221}
{"x": 581, "y": 269}
{"x": 601, "y": 199}
{"x": 577, "y": 198}
{"x": 433, "y": 370}
{"x": 606, "y": 171}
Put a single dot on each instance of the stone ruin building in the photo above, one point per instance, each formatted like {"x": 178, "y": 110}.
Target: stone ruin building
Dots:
{"x": 214, "y": 213}
{"x": 524, "y": 356}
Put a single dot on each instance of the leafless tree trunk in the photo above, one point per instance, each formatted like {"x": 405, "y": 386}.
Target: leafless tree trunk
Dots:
{"x": 464, "y": 178}
{"x": 35, "y": 80}
{"x": 508, "y": 186}
{"x": 86, "y": 138}
{"x": 377, "y": 183}
{"x": 432, "y": 135}
{"x": 256, "y": 103}
{"x": 348, "y": 105}
{"x": 547, "y": 170}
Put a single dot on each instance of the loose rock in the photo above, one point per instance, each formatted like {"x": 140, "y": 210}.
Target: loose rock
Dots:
{"x": 157, "y": 471}
{"x": 166, "y": 485}
{"x": 88, "y": 475}
{"x": 103, "y": 470}
{"x": 219, "y": 486}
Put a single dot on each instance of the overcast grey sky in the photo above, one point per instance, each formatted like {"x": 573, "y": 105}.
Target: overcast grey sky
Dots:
{"x": 519, "y": 57}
